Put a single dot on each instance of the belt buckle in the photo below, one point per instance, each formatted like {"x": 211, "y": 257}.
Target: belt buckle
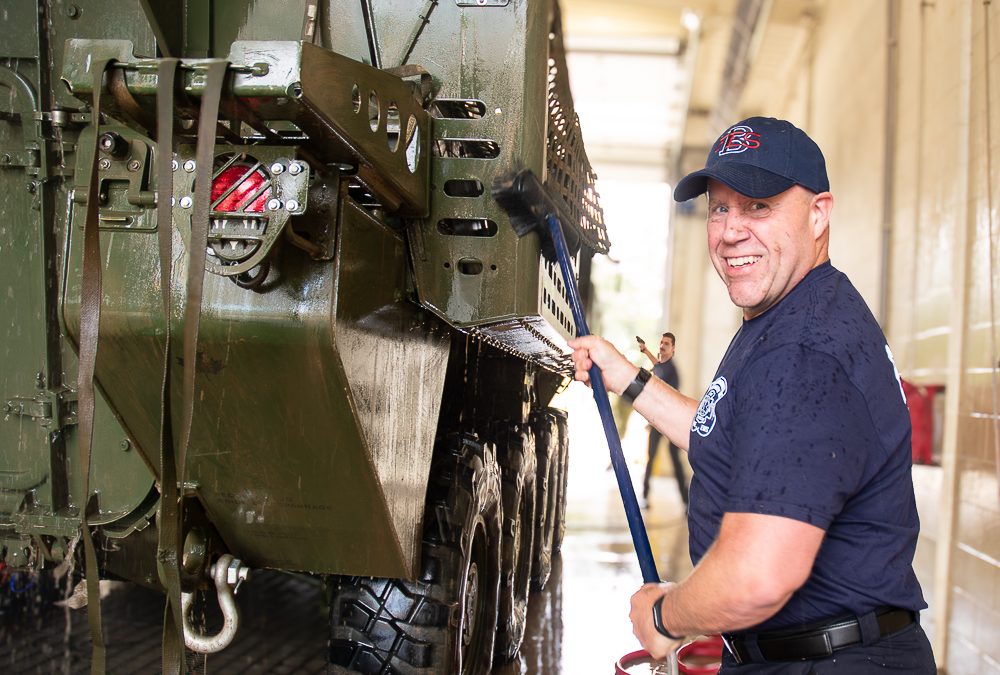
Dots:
{"x": 732, "y": 650}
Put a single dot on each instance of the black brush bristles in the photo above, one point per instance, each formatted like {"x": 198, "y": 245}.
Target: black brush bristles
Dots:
{"x": 521, "y": 195}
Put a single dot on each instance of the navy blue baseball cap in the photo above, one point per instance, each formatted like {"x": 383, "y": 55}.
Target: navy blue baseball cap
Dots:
{"x": 759, "y": 157}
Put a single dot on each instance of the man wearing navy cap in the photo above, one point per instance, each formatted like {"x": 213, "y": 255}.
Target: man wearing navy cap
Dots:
{"x": 802, "y": 518}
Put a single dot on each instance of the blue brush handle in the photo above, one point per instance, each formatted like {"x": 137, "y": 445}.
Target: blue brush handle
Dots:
{"x": 632, "y": 513}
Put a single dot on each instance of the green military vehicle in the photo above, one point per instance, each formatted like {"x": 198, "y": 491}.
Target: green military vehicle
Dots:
{"x": 261, "y": 311}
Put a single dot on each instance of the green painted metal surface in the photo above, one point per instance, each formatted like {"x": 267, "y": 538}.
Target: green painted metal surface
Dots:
{"x": 19, "y": 26}
{"x": 319, "y": 91}
{"x": 24, "y": 465}
{"x": 502, "y": 104}
{"x": 39, "y": 492}
{"x": 318, "y": 392}
{"x": 489, "y": 64}
{"x": 291, "y": 455}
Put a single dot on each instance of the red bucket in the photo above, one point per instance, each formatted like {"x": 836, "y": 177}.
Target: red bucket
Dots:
{"x": 702, "y": 656}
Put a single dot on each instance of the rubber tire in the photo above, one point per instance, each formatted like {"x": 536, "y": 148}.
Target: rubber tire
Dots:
{"x": 516, "y": 456}
{"x": 419, "y": 627}
{"x": 562, "y": 468}
{"x": 547, "y": 488}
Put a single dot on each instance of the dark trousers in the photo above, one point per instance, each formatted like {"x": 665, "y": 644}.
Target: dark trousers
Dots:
{"x": 675, "y": 458}
{"x": 907, "y": 651}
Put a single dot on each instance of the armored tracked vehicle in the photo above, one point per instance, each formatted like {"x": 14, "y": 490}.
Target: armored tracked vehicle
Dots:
{"x": 260, "y": 310}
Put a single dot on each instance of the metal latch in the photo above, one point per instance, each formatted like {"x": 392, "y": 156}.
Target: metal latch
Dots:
{"x": 19, "y": 159}
{"x": 51, "y": 410}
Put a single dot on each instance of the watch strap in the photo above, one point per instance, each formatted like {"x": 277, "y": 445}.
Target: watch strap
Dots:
{"x": 658, "y": 620}
{"x": 637, "y": 385}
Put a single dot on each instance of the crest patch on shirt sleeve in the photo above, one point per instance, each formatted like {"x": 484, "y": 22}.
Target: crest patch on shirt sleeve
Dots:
{"x": 704, "y": 418}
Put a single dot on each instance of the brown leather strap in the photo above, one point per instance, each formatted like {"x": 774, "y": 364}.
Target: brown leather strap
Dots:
{"x": 172, "y": 499}
{"x": 168, "y": 546}
{"x": 310, "y": 21}
{"x": 423, "y": 93}
{"x": 125, "y": 102}
{"x": 204, "y": 156}
{"x": 90, "y": 320}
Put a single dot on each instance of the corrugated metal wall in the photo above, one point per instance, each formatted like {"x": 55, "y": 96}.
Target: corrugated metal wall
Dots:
{"x": 904, "y": 98}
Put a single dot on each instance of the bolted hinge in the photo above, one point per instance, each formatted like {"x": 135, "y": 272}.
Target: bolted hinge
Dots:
{"x": 52, "y": 410}
{"x": 19, "y": 160}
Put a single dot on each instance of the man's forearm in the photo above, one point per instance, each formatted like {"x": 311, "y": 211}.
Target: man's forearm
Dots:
{"x": 711, "y": 601}
{"x": 750, "y": 572}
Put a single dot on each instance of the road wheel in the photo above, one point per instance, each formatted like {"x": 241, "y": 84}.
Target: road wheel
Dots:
{"x": 516, "y": 456}
{"x": 547, "y": 489}
{"x": 562, "y": 470}
{"x": 444, "y": 622}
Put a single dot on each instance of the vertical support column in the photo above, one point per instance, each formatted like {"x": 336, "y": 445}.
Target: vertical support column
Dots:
{"x": 889, "y": 169}
{"x": 956, "y": 354}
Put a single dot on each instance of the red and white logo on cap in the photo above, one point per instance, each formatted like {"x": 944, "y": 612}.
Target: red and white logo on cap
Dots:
{"x": 737, "y": 139}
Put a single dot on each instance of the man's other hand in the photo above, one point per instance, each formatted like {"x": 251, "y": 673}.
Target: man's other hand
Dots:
{"x": 658, "y": 645}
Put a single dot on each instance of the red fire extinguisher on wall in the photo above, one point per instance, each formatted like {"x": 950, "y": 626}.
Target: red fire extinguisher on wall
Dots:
{"x": 920, "y": 401}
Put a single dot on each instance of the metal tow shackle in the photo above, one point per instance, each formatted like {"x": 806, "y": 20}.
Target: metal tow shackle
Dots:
{"x": 227, "y": 573}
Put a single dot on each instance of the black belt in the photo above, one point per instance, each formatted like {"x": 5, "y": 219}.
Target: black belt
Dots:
{"x": 817, "y": 643}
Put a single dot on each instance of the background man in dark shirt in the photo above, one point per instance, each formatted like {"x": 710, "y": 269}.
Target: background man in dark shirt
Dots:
{"x": 663, "y": 368}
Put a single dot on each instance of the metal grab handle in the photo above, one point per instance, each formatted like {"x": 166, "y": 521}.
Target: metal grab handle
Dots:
{"x": 673, "y": 663}
{"x": 227, "y": 571}
{"x": 669, "y": 666}
{"x": 632, "y": 513}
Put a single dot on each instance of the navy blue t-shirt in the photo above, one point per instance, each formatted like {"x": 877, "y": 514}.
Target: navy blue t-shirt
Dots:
{"x": 667, "y": 371}
{"x": 806, "y": 419}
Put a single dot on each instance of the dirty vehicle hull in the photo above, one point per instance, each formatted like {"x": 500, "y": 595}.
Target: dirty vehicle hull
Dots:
{"x": 361, "y": 387}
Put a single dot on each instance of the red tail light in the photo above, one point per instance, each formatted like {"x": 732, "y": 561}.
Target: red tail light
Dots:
{"x": 241, "y": 189}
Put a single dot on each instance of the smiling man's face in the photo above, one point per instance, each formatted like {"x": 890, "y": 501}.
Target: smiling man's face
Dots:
{"x": 762, "y": 248}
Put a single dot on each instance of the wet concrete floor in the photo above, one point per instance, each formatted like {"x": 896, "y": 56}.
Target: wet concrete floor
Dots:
{"x": 577, "y": 625}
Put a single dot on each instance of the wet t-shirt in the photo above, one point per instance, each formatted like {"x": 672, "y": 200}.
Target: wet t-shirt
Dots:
{"x": 806, "y": 419}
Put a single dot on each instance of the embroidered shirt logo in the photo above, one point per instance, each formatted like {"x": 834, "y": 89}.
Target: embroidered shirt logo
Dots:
{"x": 704, "y": 418}
{"x": 739, "y": 138}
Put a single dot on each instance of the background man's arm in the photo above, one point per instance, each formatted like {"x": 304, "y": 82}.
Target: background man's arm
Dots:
{"x": 645, "y": 350}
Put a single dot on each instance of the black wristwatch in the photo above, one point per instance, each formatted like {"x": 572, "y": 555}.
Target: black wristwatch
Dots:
{"x": 658, "y": 620}
{"x": 634, "y": 389}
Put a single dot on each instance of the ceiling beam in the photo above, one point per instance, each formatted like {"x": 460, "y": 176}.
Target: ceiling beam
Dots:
{"x": 749, "y": 23}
